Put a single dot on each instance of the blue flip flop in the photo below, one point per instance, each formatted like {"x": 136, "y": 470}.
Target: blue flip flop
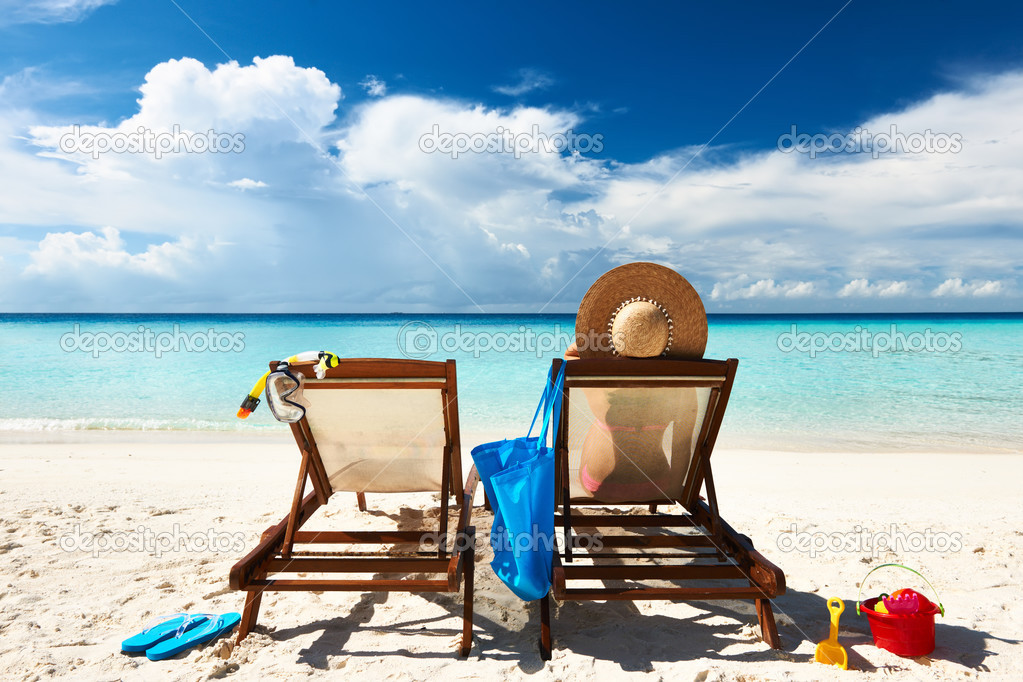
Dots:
{"x": 160, "y": 629}
{"x": 216, "y": 626}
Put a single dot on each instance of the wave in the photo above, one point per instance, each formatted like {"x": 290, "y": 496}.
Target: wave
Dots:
{"x": 127, "y": 424}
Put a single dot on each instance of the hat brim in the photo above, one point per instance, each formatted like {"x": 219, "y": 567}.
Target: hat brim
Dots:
{"x": 646, "y": 281}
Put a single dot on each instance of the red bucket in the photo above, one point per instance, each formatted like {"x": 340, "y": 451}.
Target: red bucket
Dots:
{"x": 904, "y": 634}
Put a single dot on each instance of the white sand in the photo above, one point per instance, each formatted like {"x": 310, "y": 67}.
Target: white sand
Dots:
{"x": 64, "y": 613}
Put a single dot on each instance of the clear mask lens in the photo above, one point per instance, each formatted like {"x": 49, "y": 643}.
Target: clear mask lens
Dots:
{"x": 283, "y": 390}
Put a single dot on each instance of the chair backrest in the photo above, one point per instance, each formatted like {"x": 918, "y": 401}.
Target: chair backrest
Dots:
{"x": 640, "y": 431}
{"x": 383, "y": 426}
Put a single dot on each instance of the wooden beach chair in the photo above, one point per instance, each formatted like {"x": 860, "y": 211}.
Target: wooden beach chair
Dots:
{"x": 371, "y": 426}
{"x": 643, "y": 554}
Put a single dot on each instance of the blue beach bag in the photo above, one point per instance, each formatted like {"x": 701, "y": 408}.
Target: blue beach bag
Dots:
{"x": 518, "y": 477}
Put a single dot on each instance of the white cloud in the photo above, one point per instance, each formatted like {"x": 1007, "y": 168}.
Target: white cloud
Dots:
{"x": 373, "y": 86}
{"x": 396, "y": 141}
{"x": 34, "y": 84}
{"x": 47, "y": 11}
{"x": 529, "y": 80}
{"x": 247, "y": 183}
{"x": 275, "y": 109}
{"x": 862, "y": 288}
{"x": 799, "y": 290}
{"x": 67, "y": 252}
{"x": 272, "y": 99}
{"x": 519, "y": 249}
{"x": 425, "y": 231}
{"x": 764, "y": 288}
{"x": 978, "y": 288}
{"x": 110, "y": 225}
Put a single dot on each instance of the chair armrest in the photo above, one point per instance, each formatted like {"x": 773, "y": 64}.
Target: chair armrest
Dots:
{"x": 468, "y": 494}
{"x": 465, "y": 535}
{"x": 464, "y": 552}
{"x": 763, "y": 572}
{"x": 557, "y": 577}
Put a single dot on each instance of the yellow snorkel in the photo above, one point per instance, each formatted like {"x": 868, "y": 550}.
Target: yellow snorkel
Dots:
{"x": 326, "y": 361}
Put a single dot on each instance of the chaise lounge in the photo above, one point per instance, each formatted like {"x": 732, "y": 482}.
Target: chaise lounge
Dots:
{"x": 656, "y": 421}
{"x": 370, "y": 426}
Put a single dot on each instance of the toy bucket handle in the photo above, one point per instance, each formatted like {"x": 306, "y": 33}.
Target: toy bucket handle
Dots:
{"x": 864, "y": 582}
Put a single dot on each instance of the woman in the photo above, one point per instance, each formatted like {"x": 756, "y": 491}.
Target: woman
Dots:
{"x": 647, "y": 311}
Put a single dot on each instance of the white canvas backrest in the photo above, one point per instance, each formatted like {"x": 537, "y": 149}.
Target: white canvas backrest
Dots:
{"x": 637, "y": 442}
{"x": 377, "y": 439}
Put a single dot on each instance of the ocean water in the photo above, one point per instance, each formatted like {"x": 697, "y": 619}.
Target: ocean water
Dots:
{"x": 810, "y": 382}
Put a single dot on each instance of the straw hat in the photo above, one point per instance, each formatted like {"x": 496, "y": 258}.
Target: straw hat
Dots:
{"x": 641, "y": 310}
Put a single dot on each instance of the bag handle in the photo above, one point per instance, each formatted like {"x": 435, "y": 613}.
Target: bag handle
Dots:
{"x": 941, "y": 607}
{"x": 541, "y": 405}
{"x": 557, "y": 391}
{"x": 550, "y": 403}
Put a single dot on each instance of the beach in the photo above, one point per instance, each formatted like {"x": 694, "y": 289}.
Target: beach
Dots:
{"x": 101, "y": 535}
{"x": 788, "y": 282}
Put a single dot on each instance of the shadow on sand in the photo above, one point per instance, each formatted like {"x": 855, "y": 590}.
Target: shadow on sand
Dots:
{"x": 639, "y": 643}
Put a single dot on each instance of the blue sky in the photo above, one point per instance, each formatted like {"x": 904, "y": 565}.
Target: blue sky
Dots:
{"x": 330, "y": 202}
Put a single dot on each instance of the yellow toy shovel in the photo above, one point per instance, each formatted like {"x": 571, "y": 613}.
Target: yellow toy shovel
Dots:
{"x": 830, "y": 652}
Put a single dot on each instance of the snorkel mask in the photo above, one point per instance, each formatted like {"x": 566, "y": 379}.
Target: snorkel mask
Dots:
{"x": 325, "y": 361}
{"x": 282, "y": 390}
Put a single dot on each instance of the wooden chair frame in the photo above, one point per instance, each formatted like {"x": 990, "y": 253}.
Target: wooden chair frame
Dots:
{"x": 277, "y": 553}
{"x": 733, "y": 555}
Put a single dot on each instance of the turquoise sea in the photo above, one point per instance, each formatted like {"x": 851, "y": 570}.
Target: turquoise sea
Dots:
{"x": 805, "y": 382}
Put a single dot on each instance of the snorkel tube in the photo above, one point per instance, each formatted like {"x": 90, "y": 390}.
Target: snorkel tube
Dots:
{"x": 326, "y": 361}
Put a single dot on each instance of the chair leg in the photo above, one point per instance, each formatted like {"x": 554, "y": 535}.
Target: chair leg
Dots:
{"x": 768, "y": 628}
{"x": 249, "y": 614}
{"x": 470, "y": 568}
{"x": 545, "y": 627}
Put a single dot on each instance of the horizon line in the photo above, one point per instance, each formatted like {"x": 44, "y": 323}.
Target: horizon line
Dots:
{"x": 478, "y": 314}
